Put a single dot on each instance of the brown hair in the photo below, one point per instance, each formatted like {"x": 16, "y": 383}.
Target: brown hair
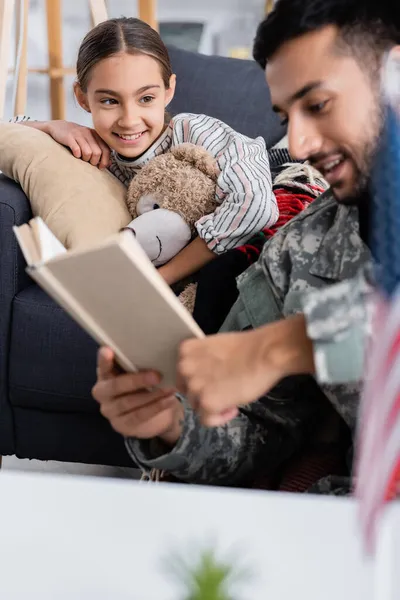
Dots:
{"x": 120, "y": 35}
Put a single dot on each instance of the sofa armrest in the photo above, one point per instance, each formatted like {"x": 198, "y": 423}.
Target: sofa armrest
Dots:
{"x": 14, "y": 210}
{"x": 12, "y": 196}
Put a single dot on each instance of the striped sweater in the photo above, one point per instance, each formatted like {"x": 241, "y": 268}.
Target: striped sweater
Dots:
{"x": 246, "y": 202}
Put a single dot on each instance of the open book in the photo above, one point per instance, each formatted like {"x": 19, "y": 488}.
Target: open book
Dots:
{"x": 115, "y": 293}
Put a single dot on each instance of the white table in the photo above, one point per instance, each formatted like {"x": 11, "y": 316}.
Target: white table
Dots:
{"x": 387, "y": 579}
{"x": 65, "y": 538}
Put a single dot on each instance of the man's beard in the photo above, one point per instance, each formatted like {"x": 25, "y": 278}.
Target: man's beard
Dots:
{"x": 362, "y": 197}
{"x": 362, "y": 189}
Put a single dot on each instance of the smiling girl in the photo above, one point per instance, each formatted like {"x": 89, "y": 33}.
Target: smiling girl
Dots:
{"x": 125, "y": 80}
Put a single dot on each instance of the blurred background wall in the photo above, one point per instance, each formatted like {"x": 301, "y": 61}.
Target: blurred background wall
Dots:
{"x": 224, "y": 27}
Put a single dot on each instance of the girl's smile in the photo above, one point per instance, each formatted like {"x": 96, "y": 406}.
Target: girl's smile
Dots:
{"x": 127, "y": 97}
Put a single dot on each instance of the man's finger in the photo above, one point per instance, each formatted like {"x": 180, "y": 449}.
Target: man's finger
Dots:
{"x": 217, "y": 420}
{"x": 110, "y": 388}
{"x": 157, "y": 411}
{"x": 106, "y": 368}
{"x": 133, "y": 402}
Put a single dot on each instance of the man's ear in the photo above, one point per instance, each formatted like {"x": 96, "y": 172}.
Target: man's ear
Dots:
{"x": 81, "y": 97}
{"x": 170, "y": 93}
{"x": 395, "y": 51}
{"x": 393, "y": 56}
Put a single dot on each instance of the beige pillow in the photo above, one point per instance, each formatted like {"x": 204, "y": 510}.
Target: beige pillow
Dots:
{"x": 80, "y": 204}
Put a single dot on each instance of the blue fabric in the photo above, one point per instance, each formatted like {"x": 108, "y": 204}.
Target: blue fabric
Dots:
{"x": 52, "y": 360}
{"x": 386, "y": 206}
{"x": 232, "y": 90}
{"x": 68, "y": 437}
{"x": 14, "y": 210}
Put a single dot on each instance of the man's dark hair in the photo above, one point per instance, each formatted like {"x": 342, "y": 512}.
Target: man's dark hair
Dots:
{"x": 364, "y": 25}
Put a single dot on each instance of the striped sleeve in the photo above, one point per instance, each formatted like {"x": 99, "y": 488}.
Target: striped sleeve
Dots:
{"x": 19, "y": 119}
{"x": 244, "y": 189}
{"x": 125, "y": 175}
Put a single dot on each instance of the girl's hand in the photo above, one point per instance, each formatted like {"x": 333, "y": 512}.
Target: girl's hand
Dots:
{"x": 83, "y": 142}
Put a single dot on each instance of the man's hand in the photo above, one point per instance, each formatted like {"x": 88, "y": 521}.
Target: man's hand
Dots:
{"x": 222, "y": 372}
{"x": 132, "y": 404}
{"x": 83, "y": 142}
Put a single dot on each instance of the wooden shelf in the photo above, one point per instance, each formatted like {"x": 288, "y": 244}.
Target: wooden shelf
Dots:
{"x": 269, "y": 5}
{"x": 56, "y": 71}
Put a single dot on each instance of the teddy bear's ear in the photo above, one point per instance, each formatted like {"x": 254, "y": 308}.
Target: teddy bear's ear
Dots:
{"x": 198, "y": 157}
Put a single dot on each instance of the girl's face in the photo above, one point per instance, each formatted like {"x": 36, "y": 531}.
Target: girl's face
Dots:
{"x": 127, "y": 98}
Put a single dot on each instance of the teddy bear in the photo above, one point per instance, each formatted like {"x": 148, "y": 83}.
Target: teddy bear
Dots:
{"x": 166, "y": 198}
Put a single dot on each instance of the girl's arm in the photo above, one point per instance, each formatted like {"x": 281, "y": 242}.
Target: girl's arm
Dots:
{"x": 244, "y": 192}
{"x": 189, "y": 260}
{"x": 83, "y": 142}
{"x": 244, "y": 189}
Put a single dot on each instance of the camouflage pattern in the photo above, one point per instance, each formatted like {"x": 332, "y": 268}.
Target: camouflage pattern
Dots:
{"x": 339, "y": 322}
{"x": 318, "y": 249}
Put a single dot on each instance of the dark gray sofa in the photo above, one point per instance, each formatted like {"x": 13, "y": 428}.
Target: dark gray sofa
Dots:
{"x": 47, "y": 363}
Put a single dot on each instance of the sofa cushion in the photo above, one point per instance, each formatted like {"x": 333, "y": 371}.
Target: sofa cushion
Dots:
{"x": 229, "y": 89}
{"x": 80, "y": 204}
{"x": 69, "y": 437}
{"x": 52, "y": 360}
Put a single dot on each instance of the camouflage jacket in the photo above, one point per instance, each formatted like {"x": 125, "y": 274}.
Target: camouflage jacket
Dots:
{"x": 315, "y": 264}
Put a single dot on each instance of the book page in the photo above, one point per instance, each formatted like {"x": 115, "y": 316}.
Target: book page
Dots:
{"x": 49, "y": 245}
{"x": 28, "y": 246}
{"x": 115, "y": 293}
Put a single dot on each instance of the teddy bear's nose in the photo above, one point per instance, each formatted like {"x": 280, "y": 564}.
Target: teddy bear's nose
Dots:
{"x": 155, "y": 206}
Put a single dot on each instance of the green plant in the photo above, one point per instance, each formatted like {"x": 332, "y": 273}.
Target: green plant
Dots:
{"x": 208, "y": 578}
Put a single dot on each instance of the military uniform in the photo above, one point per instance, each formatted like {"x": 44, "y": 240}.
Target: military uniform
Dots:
{"x": 318, "y": 265}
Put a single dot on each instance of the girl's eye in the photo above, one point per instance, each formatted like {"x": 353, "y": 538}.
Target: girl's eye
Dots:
{"x": 284, "y": 122}
{"x": 147, "y": 99}
{"x": 317, "y": 108}
{"x": 108, "y": 101}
